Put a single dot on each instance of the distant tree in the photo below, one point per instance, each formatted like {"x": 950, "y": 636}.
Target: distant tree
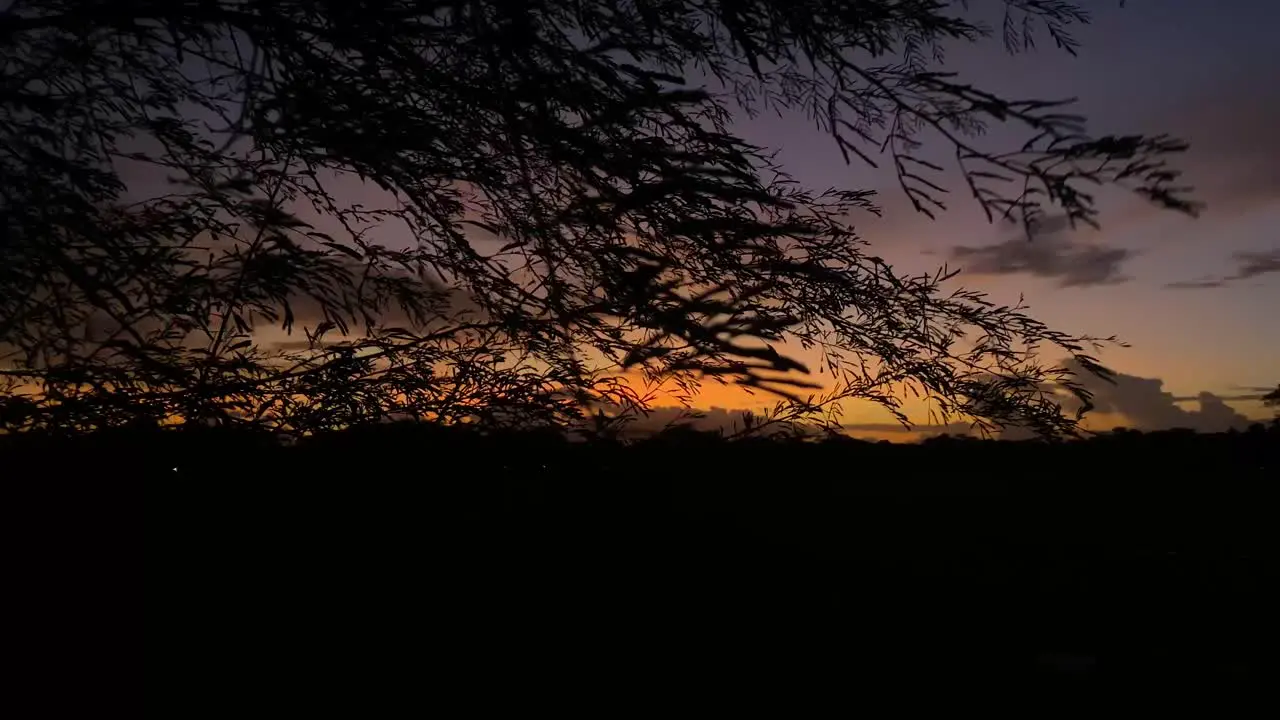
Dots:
{"x": 487, "y": 210}
{"x": 1272, "y": 400}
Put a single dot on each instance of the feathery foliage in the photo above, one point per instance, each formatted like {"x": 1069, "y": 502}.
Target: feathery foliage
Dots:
{"x": 488, "y": 209}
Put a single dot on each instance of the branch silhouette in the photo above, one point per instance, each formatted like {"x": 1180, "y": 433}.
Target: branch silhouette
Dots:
{"x": 588, "y": 142}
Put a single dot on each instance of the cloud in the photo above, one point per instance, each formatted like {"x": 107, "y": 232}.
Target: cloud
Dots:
{"x": 1132, "y": 401}
{"x": 1249, "y": 265}
{"x": 1230, "y": 127}
{"x": 1261, "y": 390}
{"x": 1258, "y": 395}
{"x": 1205, "y": 284}
{"x": 1254, "y": 264}
{"x": 1049, "y": 253}
{"x": 1234, "y": 142}
{"x": 1145, "y": 404}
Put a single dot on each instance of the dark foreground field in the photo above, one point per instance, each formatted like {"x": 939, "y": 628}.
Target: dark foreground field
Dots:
{"x": 410, "y": 569}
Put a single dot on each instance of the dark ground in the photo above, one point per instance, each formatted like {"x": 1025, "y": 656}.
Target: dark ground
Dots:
{"x": 367, "y": 571}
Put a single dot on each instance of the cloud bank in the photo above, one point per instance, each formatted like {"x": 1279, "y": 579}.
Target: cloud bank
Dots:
{"x": 1234, "y": 141}
{"x": 1145, "y": 405}
{"x": 1136, "y": 402}
{"x": 1051, "y": 253}
{"x": 1249, "y": 265}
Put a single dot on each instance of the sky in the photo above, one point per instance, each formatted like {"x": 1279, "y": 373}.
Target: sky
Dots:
{"x": 1193, "y": 297}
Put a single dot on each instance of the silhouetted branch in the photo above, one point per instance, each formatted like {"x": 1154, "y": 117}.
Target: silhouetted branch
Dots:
{"x": 297, "y": 143}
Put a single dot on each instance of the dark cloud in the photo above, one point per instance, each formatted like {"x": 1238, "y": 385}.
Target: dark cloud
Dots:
{"x": 1232, "y": 130}
{"x": 1249, "y": 265}
{"x": 1049, "y": 252}
{"x": 1258, "y": 395}
{"x": 1204, "y": 284}
{"x": 1254, "y": 389}
{"x": 1145, "y": 404}
{"x": 1254, "y": 264}
{"x": 1230, "y": 126}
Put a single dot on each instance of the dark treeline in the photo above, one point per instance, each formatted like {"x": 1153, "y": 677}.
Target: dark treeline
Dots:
{"x": 496, "y": 565}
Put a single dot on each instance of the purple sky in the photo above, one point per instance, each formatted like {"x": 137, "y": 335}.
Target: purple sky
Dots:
{"x": 1206, "y": 72}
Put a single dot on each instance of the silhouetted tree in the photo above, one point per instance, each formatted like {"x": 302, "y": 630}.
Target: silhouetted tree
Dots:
{"x": 1272, "y": 400}
{"x": 485, "y": 210}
